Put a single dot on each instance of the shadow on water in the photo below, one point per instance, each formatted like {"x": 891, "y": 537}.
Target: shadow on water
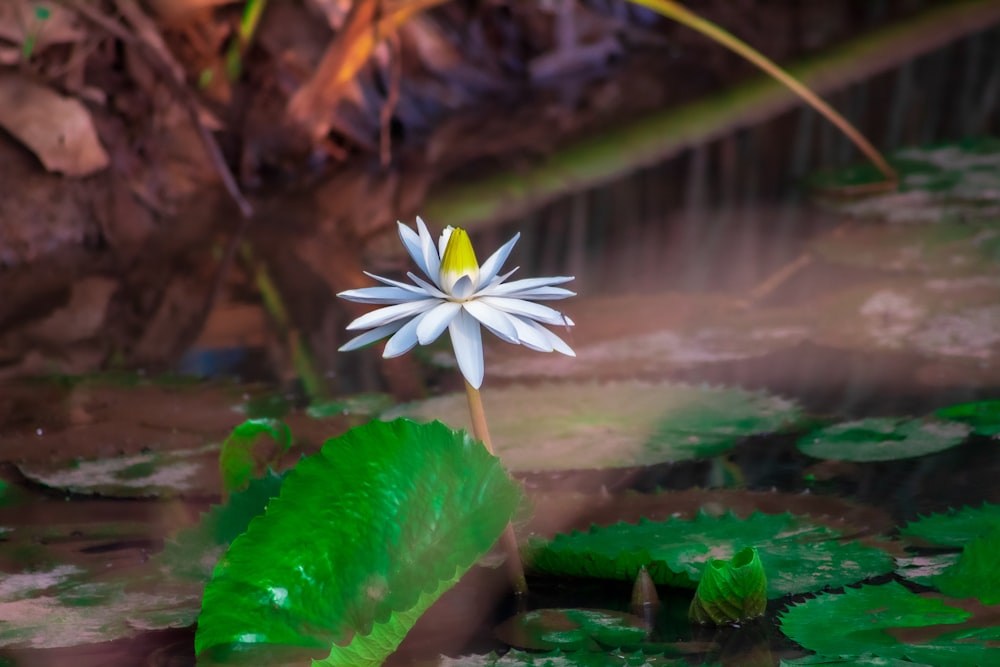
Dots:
{"x": 676, "y": 265}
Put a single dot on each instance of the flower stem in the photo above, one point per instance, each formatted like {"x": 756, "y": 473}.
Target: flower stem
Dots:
{"x": 508, "y": 541}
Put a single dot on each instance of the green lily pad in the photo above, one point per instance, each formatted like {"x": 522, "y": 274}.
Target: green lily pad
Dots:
{"x": 976, "y": 573}
{"x": 517, "y": 658}
{"x": 620, "y": 424}
{"x": 866, "y": 660}
{"x": 361, "y": 538}
{"x": 731, "y": 591}
{"x": 572, "y": 630}
{"x": 983, "y": 416}
{"x": 70, "y": 606}
{"x": 156, "y": 474}
{"x": 798, "y": 556}
{"x": 892, "y": 622}
{"x": 956, "y": 527}
{"x": 364, "y": 405}
{"x": 942, "y": 184}
{"x": 882, "y": 439}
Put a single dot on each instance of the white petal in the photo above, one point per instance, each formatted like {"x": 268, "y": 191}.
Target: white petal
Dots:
{"x": 426, "y": 286}
{"x": 558, "y": 344}
{"x": 500, "y": 279}
{"x": 491, "y": 267}
{"x": 467, "y": 339}
{"x": 495, "y": 320}
{"x": 371, "y": 336}
{"x": 515, "y": 288}
{"x": 544, "y": 294}
{"x": 411, "y": 241}
{"x": 432, "y": 260}
{"x": 395, "y": 283}
{"x": 443, "y": 240}
{"x": 535, "y": 311}
{"x": 392, "y": 313}
{"x": 463, "y": 288}
{"x": 433, "y": 323}
{"x": 381, "y": 295}
{"x": 529, "y": 336}
{"x": 403, "y": 341}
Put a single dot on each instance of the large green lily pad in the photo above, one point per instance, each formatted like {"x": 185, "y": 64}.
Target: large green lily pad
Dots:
{"x": 613, "y": 425}
{"x": 882, "y": 439}
{"x": 362, "y": 538}
{"x": 798, "y": 556}
{"x": 976, "y": 573}
{"x": 890, "y": 621}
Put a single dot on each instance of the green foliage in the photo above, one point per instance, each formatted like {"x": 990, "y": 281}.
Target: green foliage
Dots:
{"x": 731, "y": 591}
{"x": 362, "y": 537}
{"x": 236, "y": 460}
{"x": 956, "y": 527}
{"x": 983, "y": 416}
{"x": 797, "y": 556}
{"x": 866, "y": 660}
{"x": 976, "y": 573}
{"x": 871, "y": 620}
{"x": 572, "y": 630}
{"x": 882, "y": 439}
{"x": 617, "y": 424}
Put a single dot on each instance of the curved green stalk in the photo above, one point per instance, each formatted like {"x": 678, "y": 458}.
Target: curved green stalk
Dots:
{"x": 682, "y": 15}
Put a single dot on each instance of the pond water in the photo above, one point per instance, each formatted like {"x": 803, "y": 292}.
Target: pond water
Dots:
{"x": 723, "y": 323}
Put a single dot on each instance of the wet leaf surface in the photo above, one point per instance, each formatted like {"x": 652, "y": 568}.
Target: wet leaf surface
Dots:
{"x": 385, "y": 558}
{"x": 955, "y": 528}
{"x": 572, "y": 630}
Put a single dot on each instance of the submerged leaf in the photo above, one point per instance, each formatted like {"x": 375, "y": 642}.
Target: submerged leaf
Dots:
{"x": 517, "y": 658}
{"x": 731, "y": 591}
{"x": 879, "y": 619}
{"x": 360, "y": 534}
{"x": 983, "y": 416}
{"x": 618, "y": 424}
{"x": 882, "y": 439}
{"x": 798, "y": 556}
{"x": 572, "y": 630}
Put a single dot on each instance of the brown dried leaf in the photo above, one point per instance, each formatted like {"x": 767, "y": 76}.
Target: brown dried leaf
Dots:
{"x": 57, "y": 129}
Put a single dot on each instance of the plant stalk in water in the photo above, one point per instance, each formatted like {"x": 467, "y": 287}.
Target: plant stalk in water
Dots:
{"x": 508, "y": 541}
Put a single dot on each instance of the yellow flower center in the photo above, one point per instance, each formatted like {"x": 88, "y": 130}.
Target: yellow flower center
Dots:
{"x": 459, "y": 268}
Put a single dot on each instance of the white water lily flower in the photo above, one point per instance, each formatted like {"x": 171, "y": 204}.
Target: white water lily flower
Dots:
{"x": 460, "y": 296}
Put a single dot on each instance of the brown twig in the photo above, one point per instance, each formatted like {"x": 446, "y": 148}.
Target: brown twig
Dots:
{"x": 391, "y": 98}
